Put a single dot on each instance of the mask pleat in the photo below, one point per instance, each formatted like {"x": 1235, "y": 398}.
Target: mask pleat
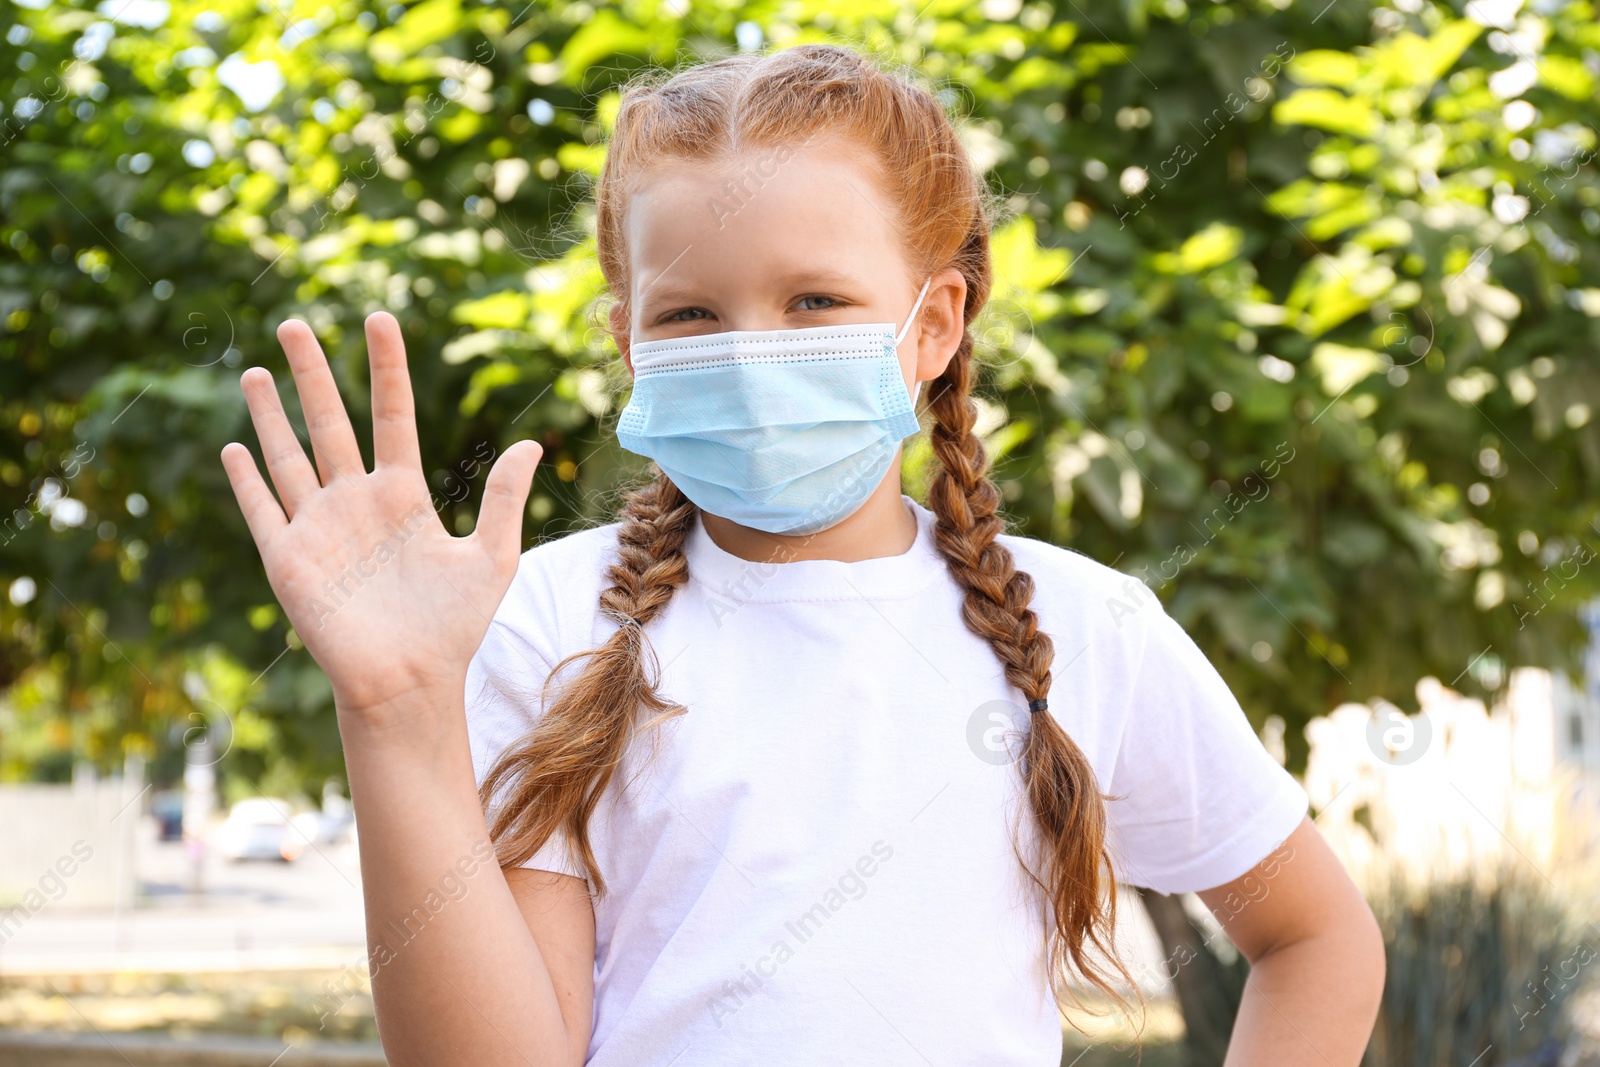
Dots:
{"x": 782, "y": 430}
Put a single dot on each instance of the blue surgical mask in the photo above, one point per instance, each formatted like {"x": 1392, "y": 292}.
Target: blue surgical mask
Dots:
{"x": 787, "y": 431}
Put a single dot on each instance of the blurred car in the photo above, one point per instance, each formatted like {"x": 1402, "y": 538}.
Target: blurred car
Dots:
{"x": 260, "y": 828}
{"x": 167, "y": 807}
{"x": 321, "y": 828}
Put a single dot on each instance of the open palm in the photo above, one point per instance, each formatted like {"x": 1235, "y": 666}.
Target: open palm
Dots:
{"x": 384, "y": 598}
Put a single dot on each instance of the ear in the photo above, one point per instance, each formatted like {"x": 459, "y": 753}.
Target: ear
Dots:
{"x": 940, "y": 324}
{"x": 619, "y": 334}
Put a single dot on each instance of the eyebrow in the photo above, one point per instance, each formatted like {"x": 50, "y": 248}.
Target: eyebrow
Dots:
{"x": 668, "y": 291}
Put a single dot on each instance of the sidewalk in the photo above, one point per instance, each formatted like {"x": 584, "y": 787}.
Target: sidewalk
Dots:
{"x": 257, "y": 915}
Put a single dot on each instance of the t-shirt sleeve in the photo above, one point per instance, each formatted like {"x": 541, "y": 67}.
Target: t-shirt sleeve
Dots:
{"x": 504, "y": 679}
{"x": 1200, "y": 801}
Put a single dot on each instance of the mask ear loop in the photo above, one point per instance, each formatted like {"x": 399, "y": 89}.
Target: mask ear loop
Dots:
{"x": 916, "y": 394}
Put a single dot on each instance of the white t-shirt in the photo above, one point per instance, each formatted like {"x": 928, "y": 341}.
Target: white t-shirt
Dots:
{"x": 817, "y": 866}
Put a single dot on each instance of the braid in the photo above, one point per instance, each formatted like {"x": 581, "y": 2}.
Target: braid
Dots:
{"x": 559, "y": 772}
{"x": 967, "y": 505}
{"x": 1075, "y": 872}
{"x": 650, "y": 564}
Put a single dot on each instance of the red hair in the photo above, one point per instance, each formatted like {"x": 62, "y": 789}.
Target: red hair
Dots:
{"x": 713, "y": 112}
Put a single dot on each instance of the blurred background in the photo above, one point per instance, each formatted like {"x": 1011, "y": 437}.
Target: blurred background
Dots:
{"x": 1295, "y": 320}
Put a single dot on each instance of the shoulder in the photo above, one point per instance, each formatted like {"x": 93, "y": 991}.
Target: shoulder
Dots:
{"x": 1063, "y": 563}
{"x": 548, "y": 608}
{"x": 555, "y": 593}
{"x": 1067, "y": 580}
{"x": 570, "y": 555}
{"x": 1100, "y": 622}
{"x": 1105, "y": 625}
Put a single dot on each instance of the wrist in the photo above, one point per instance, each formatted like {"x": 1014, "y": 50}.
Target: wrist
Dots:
{"x": 412, "y": 707}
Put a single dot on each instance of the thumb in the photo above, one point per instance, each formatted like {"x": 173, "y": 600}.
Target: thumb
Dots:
{"x": 505, "y": 495}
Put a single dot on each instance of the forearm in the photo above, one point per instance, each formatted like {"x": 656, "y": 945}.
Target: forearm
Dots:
{"x": 457, "y": 977}
{"x": 1312, "y": 1002}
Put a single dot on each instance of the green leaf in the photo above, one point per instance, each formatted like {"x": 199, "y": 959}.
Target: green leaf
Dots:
{"x": 506, "y": 310}
{"x": 428, "y": 23}
{"x": 581, "y": 158}
{"x": 1307, "y": 196}
{"x": 471, "y": 345}
{"x": 1407, "y": 59}
{"x": 1326, "y": 109}
{"x": 1020, "y": 265}
{"x": 1211, "y": 247}
{"x": 601, "y": 37}
{"x": 1567, "y": 76}
{"x": 1341, "y": 366}
{"x": 1324, "y": 66}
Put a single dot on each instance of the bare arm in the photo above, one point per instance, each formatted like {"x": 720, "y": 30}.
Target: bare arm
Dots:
{"x": 558, "y": 911}
{"x": 489, "y": 967}
{"x": 393, "y": 607}
{"x": 1316, "y": 958}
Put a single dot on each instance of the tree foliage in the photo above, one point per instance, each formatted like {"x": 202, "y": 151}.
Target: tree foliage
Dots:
{"x": 1295, "y": 317}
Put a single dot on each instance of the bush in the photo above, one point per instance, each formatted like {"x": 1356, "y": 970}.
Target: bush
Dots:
{"x": 1478, "y": 965}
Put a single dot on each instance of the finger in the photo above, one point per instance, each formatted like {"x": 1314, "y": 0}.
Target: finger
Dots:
{"x": 505, "y": 494}
{"x": 333, "y": 442}
{"x": 286, "y": 460}
{"x": 394, "y": 417}
{"x": 261, "y": 513}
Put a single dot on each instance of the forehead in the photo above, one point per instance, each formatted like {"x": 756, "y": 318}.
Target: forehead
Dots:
{"x": 764, "y": 211}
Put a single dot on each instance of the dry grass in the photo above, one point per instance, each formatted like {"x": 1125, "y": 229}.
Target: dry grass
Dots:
{"x": 290, "y": 1006}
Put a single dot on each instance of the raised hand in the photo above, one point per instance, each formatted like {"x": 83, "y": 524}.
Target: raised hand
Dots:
{"x": 385, "y": 599}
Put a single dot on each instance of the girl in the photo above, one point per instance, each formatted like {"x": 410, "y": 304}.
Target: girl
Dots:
{"x": 783, "y": 767}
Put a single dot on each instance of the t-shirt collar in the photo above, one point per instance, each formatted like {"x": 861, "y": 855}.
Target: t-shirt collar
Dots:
{"x": 882, "y": 577}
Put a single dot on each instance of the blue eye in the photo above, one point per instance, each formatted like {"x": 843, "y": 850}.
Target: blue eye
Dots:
{"x": 674, "y": 316}
{"x": 816, "y": 296}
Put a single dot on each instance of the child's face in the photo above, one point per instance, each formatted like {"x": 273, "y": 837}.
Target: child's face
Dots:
{"x": 779, "y": 239}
